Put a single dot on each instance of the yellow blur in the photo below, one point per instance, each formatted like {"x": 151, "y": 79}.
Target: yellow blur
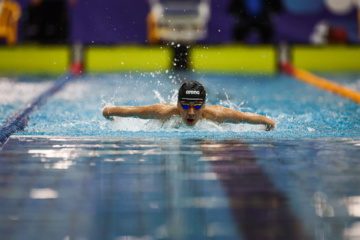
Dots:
{"x": 10, "y": 12}
{"x": 327, "y": 58}
{"x": 237, "y": 59}
{"x": 34, "y": 60}
{"x": 127, "y": 58}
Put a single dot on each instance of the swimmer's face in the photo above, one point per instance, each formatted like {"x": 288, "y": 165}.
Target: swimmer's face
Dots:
{"x": 191, "y": 115}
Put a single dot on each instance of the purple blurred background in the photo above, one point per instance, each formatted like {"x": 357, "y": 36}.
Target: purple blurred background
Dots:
{"x": 124, "y": 21}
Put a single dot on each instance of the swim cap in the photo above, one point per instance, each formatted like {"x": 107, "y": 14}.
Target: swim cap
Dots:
{"x": 192, "y": 91}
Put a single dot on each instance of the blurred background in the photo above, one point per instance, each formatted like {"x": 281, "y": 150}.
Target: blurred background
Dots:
{"x": 139, "y": 24}
{"x": 156, "y": 180}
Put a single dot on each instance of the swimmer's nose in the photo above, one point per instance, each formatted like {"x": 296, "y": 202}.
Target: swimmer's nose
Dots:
{"x": 191, "y": 112}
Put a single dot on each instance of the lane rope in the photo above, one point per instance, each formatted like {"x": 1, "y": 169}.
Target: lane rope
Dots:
{"x": 320, "y": 82}
{"x": 19, "y": 120}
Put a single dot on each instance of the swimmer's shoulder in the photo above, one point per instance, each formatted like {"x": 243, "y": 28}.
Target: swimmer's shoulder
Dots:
{"x": 211, "y": 111}
{"x": 217, "y": 113}
{"x": 165, "y": 106}
{"x": 166, "y": 110}
{"x": 214, "y": 109}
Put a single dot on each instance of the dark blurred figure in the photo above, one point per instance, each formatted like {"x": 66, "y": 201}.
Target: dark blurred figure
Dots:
{"x": 254, "y": 15}
{"x": 47, "y": 21}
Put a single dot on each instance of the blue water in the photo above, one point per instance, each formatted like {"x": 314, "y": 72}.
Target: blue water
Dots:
{"x": 96, "y": 188}
{"x": 299, "y": 110}
{"x": 74, "y": 175}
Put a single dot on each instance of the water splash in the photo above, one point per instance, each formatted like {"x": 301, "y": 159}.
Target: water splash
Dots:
{"x": 77, "y": 109}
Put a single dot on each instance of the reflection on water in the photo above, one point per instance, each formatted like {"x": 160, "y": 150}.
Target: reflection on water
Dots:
{"x": 72, "y": 188}
{"x": 43, "y": 193}
{"x": 254, "y": 200}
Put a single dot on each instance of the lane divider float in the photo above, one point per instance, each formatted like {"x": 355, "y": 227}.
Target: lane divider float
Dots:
{"x": 19, "y": 120}
{"x": 320, "y": 82}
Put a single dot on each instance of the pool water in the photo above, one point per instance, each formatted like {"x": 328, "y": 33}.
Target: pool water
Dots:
{"x": 74, "y": 175}
{"x": 299, "y": 110}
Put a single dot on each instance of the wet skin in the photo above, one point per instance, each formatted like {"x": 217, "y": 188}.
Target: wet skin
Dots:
{"x": 190, "y": 116}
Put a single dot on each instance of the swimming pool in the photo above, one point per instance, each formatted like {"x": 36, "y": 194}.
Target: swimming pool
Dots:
{"x": 300, "y": 111}
{"x": 74, "y": 175}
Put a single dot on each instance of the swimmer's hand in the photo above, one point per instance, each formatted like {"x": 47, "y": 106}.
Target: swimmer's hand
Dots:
{"x": 111, "y": 118}
{"x": 106, "y": 114}
{"x": 270, "y": 125}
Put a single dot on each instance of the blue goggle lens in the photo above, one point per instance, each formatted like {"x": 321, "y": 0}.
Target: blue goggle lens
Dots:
{"x": 186, "y": 106}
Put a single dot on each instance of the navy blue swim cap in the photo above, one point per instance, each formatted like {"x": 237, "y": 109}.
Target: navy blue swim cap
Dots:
{"x": 192, "y": 91}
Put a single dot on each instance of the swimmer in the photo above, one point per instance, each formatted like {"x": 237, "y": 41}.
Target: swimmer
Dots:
{"x": 191, "y": 108}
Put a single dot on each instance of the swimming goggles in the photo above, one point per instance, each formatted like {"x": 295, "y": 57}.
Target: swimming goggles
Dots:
{"x": 186, "y": 106}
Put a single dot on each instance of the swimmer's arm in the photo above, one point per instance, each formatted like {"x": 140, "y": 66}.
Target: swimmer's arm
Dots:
{"x": 253, "y": 118}
{"x": 222, "y": 114}
{"x": 156, "y": 111}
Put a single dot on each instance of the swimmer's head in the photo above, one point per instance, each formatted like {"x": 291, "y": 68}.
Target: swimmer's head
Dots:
{"x": 191, "y": 102}
{"x": 192, "y": 91}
